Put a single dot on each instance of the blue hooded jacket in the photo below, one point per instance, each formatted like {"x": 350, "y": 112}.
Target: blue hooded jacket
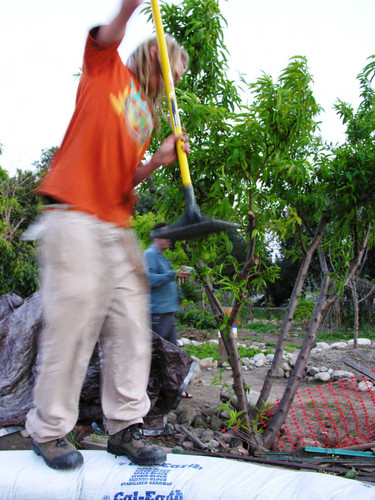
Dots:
{"x": 164, "y": 291}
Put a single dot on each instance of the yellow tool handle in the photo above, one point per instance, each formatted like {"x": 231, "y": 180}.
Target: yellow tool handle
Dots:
{"x": 171, "y": 96}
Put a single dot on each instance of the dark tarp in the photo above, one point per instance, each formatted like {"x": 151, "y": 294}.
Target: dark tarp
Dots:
{"x": 20, "y": 327}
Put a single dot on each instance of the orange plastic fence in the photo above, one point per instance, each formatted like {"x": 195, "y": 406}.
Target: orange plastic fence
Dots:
{"x": 333, "y": 415}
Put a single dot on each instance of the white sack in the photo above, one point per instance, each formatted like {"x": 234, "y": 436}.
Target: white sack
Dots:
{"x": 24, "y": 476}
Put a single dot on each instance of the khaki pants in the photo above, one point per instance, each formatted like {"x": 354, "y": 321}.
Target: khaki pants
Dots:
{"x": 92, "y": 288}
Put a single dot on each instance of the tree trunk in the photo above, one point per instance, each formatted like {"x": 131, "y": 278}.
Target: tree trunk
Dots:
{"x": 353, "y": 287}
{"x": 293, "y": 302}
{"x": 297, "y": 373}
{"x": 230, "y": 345}
{"x": 326, "y": 299}
{"x": 225, "y": 327}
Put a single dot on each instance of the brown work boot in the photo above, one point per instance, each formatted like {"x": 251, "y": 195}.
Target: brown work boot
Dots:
{"x": 58, "y": 454}
{"x": 132, "y": 443}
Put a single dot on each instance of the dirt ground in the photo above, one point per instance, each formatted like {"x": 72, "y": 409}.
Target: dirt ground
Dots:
{"x": 206, "y": 394}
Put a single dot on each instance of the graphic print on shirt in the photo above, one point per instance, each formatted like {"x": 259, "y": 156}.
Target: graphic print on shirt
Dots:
{"x": 134, "y": 109}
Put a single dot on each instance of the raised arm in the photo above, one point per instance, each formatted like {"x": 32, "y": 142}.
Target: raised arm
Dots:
{"x": 115, "y": 30}
{"x": 165, "y": 155}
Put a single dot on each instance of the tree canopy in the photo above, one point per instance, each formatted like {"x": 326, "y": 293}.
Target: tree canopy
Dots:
{"x": 262, "y": 165}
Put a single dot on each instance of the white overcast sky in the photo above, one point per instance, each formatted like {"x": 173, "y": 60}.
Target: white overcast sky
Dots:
{"x": 42, "y": 45}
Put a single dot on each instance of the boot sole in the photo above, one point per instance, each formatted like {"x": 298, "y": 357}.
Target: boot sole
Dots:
{"x": 118, "y": 452}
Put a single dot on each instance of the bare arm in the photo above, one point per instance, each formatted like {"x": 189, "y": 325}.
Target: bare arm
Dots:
{"x": 115, "y": 30}
{"x": 165, "y": 155}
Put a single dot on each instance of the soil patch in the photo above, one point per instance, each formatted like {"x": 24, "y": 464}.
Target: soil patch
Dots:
{"x": 206, "y": 390}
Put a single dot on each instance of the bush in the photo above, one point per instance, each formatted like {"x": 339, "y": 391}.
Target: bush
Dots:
{"x": 207, "y": 350}
{"x": 196, "y": 318}
{"x": 304, "y": 309}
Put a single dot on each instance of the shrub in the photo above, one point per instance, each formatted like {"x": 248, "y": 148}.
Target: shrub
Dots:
{"x": 196, "y": 318}
{"x": 304, "y": 309}
{"x": 207, "y": 350}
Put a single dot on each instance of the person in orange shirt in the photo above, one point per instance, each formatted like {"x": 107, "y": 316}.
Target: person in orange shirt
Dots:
{"x": 93, "y": 287}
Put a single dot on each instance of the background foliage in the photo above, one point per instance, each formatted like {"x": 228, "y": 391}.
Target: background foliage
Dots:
{"x": 262, "y": 160}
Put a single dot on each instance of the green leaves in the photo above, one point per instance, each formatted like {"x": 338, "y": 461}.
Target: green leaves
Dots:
{"x": 263, "y": 164}
{"x": 18, "y": 207}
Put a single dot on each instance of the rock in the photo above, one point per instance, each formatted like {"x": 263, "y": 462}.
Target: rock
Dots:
{"x": 246, "y": 361}
{"x": 365, "y": 385}
{"x": 183, "y": 341}
{"x": 323, "y": 369}
{"x": 200, "y": 421}
{"x": 214, "y": 342}
{"x": 316, "y": 350}
{"x": 252, "y": 397}
{"x": 213, "y": 444}
{"x": 280, "y": 373}
{"x": 224, "y": 415}
{"x": 322, "y": 345}
{"x": 360, "y": 341}
{"x": 206, "y": 363}
{"x": 293, "y": 359}
{"x": 197, "y": 374}
{"x": 231, "y": 440}
{"x": 260, "y": 363}
{"x": 323, "y": 376}
{"x": 342, "y": 374}
{"x": 196, "y": 343}
{"x": 207, "y": 435}
{"x": 339, "y": 345}
{"x": 286, "y": 367}
{"x": 309, "y": 442}
{"x": 259, "y": 359}
{"x": 172, "y": 418}
{"x": 269, "y": 357}
{"x": 188, "y": 445}
{"x": 215, "y": 423}
{"x": 197, "y": 431}
{"x": 240, "y": 450}
{"x": 186, "y": 416}
{"x": 312, "y": 370}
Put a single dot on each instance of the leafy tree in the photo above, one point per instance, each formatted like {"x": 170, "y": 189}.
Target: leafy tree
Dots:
{"x": 17, "y": 261}
{"x": 19, "y": 207}
{"x": 240, "y": 156}
{"x": 342, "y": 235}
{"x": 263, "y": 166}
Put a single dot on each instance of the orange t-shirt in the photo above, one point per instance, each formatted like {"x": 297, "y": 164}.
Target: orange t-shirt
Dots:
{"x": 106, "y": 139}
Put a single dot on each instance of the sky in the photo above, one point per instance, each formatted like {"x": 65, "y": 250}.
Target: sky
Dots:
{"x": 42, "y": 45}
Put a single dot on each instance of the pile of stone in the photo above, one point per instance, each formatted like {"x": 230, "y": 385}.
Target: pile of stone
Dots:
{"x": 205, "y": 430}
{"x": 313, "y": 373}
{"x": 324, "y": 374}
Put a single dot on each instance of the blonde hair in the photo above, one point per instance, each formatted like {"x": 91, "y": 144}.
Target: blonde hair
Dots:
{"x": 140, "y": 63}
